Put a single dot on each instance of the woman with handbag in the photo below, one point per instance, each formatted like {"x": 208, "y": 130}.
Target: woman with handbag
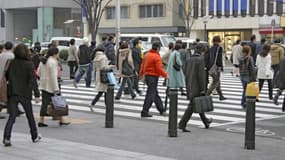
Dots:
{"x": 246, "y": 71}
{"x": 126, "y": 69}
{"x": 48, "y": 73}
{"x": 195, "y": 84}
{"x": 21, "y": 82}
{"x": 264, "y": 72}
{"x": 101, "y": 64}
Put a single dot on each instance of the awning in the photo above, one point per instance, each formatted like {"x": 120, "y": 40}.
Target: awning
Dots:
{"x": 269, "y": 31}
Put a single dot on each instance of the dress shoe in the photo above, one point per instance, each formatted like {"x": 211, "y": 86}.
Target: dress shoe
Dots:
{"x": 7, "y": 142}
{"x": 64, "y": 123}
{"x": 207, "y": 124}
{"x": 39, "y": 137}
{"x": 145, "y": 115}
{"x": 117, "y": 98}
{"x": 283, "y": 107}
{"x": 275, "y": 100}
{"x": 20, "y": 113}
{"x": 184, "y": 129}
{"x": 257, "y": 100}
{"x": 222, "y": 98}
{"x": 42, "y": 125}
{"x": 75, "y": 84}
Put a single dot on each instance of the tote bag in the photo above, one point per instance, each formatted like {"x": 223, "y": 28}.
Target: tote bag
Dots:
{"x": 214, "y": 69}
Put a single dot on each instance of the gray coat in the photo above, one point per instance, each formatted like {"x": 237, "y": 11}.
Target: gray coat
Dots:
{"x": 195, "y": 76}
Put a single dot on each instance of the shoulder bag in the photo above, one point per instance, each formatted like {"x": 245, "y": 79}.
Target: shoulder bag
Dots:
{"x": 176, "y": 66}
{"x": 104, "y": 76}
{"x": 214, "y": 69}
{"x": 3, "y": 86}
{"x": 203, "y": 104}
{"x": 126, "y": 67}
{"x": 58, "y": 106}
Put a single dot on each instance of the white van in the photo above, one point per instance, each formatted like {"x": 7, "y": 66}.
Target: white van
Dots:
{"x": 190, "y": 42}
{"x": 63, "y": 42}
{"x": 148, "y": 39}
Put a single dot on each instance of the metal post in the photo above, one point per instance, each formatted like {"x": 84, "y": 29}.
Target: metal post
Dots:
{"x": 205, "y": 31}
{"x": 250, "y": 123}
{"x": 118, "y": 22}
{"x": 109, "y": 100}
{"x": 172, "y": 122}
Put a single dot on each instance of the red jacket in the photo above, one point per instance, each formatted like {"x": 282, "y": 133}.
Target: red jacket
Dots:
{"x": 152, "y": 65}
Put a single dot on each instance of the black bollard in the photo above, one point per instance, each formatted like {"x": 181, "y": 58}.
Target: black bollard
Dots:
{"x": 109, "y": 100}
{"x": 172, "y": 122}
{"x": 250, "y": 123}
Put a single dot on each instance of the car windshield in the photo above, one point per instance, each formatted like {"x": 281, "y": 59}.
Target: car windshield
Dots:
{"x": 167, "y": 39}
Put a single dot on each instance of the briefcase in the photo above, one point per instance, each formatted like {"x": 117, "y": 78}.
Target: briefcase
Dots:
{"x": 203, "y": 104}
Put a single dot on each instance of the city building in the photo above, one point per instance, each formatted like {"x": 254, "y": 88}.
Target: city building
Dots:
{"x": 39, "y": 20}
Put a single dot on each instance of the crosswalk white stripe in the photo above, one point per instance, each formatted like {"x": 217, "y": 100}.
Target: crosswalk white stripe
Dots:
{"x": 225, "y": 111}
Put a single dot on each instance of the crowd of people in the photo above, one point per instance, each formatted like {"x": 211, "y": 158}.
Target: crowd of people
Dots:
{"x": 182, "y": 69}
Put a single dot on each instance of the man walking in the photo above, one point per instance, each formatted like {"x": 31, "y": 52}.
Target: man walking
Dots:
{"x": 152, "y": 69}
{"x": 84, "y": 55}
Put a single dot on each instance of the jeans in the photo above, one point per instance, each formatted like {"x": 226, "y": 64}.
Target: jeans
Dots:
{"x": 72, "y": 68}
{"x": 82, "y": 70}
{"x": 152, "y": 95}
{"x": 13, "y": 111}
{"x": 122, "y": 87}
{"x": 244, "y": 81}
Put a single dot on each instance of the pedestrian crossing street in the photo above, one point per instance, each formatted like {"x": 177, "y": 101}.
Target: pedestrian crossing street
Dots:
{"x": 225, "y": 112}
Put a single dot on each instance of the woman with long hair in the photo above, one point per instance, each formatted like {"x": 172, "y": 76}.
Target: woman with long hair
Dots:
{"x": 101, "y": 62}
{"x": 264, "y": 72}
{"x": 247, "y": 70}
{"x": 48, "y": 73}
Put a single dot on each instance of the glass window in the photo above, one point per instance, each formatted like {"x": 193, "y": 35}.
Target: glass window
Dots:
{"x": 235, "y": 8}
{"x": 243, "y": 7}
{"x": 110, "y": 12}
{"x": 261, "y": 7}
{"x": 196, "y": 8}
{"x": 125, "y": 12}
{"x": 211, "y": 7}
{"x": 203, "y": 8}
{"x": 252, "y": 5}
{"x": 219, "y": 8}
{"x": 269, "y": 8}
{"x": 2, "y": 18}
{"x": 279, "y": 7}
{"x": 227, "y": 8}
{"x": 148, "y": 11}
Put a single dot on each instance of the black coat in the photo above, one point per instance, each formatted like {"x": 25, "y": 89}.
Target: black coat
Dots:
{"x": 136, "y": 54}
{"x": 212, "y": 55}
{"x": 84, "y": 54}
{"x": 21, "y": 79}
{"x": 195, "y": 76}
{"x": 281, "y": 75}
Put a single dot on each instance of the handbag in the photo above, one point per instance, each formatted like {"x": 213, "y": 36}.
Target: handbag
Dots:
{"x": 104, "y": 76}
{"x": 57, "y": 107}
{"x": 176, "y": 66}
{"x": 203, "y": 104}
{"x": 3, "y": 86}
{"x": 112, "y": 78}
{"x": 214, "y": 69}
{"x": 126, "y": 67}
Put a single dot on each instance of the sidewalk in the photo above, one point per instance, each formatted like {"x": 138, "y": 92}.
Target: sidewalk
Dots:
{"x": 54, "y": 149}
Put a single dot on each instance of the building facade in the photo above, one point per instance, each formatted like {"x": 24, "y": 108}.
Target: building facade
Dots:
{"x": 37, "y": 20}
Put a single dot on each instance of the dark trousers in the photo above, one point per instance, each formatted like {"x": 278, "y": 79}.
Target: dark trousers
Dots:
{"x": 152, "y": 95}
{"x": 187, "y": 115}
{"x": 97, "y": 97}
{"x": 270, "y": 86}
{"x": 275, "y": 68}
{"x": 13, "y": 111}
{"x": 279, "y": 93}
{"x": 46, "y": 100}
{"x": 216, "y": 84}
{"x": 126, "y": 80}
{"x": 136, "y": 82}
{"x": 72, "y": 68}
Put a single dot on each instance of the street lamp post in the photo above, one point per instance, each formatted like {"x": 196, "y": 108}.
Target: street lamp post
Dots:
{"x": 272, "y": 29}
{"x": 205, "y": 21}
